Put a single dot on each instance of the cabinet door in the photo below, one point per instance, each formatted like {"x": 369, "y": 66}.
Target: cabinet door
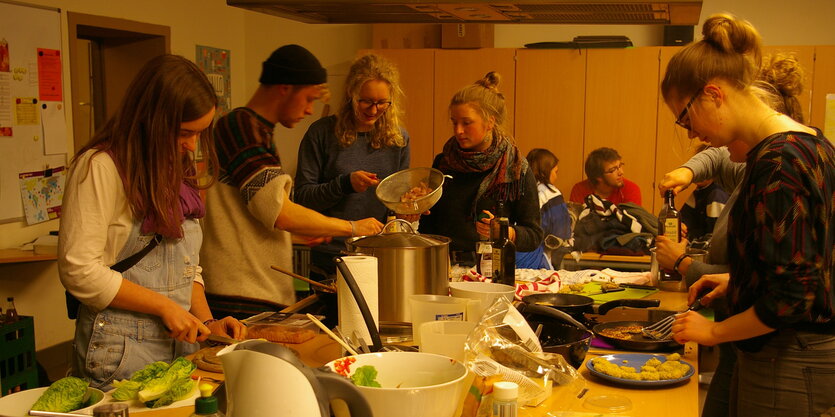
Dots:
{"x": 455, "y": 69}
{"x": 622, "y": 108}
{"x": 550, "y": 102}
{"x": 823, "y": 83}
{"x": 416, "y": 67}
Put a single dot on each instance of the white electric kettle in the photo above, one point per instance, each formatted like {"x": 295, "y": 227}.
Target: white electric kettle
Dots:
{"x": 267, "y": 379}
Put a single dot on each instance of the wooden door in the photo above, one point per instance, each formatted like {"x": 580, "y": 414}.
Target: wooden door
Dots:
{"x": 550, "y": 102}
{"x": 457, "y": 68}
{"x": 823, "y": 83}
{"x": 416, "y": 67}
{"x": 621, "y": 110}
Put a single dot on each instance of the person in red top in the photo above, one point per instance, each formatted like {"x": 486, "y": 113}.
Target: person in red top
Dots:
{"x": 604, "y": 169}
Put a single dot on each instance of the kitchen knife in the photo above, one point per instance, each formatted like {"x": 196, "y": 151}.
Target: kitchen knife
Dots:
{"x": 605, "y": 291}
{"x": 223, "y": 339}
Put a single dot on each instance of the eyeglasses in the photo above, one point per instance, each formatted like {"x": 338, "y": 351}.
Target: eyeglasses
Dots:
{"x": 614, "y": 169}
{"x": 367, "y": 104}
{"x": 683, "y": 114}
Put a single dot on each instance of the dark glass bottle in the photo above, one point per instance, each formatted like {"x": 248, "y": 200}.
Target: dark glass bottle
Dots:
{"x": 11, "y": 311}
{"x": 669, "y": 225}
{"x": 504, "y": 256}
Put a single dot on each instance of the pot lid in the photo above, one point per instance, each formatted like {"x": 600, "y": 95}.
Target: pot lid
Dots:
{"x": 400, "y": 240}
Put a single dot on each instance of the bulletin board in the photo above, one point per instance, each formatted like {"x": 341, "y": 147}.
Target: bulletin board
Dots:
{"x": 33, "y": 133}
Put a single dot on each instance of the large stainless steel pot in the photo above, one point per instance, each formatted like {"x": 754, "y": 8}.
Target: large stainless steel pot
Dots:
{"x": 407, "y": 263}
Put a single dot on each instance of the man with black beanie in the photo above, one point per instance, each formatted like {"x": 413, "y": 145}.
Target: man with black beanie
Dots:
{"x": 249, "y": 215}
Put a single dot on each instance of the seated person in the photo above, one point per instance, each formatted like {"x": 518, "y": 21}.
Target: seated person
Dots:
{"x": 556, "y": 221}
{"x": 604, "y": 169}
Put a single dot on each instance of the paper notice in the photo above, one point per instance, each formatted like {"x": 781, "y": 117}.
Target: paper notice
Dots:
{"x": 26, "y": 111}
{"x": 5, "y": 104}
{"x": 829, "y": 118}
{"x": 54, "y": 128}
{"x": 49, "y": 75}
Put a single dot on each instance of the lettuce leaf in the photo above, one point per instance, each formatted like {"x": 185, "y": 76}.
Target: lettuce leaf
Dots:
{"x": 365, "y": 376}
{"x": 63, "y": 396}
{"x": 155, "y": 388}
{"x": 128, "y": 389}
{"x": 179, "y": 390}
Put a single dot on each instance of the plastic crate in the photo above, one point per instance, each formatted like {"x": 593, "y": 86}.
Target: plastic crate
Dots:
{"x": 18, "y": 369}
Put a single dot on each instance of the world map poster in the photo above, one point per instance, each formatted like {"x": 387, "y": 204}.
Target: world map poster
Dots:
{"x": 42, "y": 192}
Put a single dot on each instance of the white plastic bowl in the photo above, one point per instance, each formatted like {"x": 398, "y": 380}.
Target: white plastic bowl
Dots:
{"x": 19, "y": 403}
{"x": 414, "y": 384}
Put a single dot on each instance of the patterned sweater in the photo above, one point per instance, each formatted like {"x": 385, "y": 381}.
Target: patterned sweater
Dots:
{"x": 781, "y": 236}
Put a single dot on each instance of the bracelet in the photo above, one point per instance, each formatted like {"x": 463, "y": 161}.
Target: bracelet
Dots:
{"x": 353, "y": 228}
{"x": 678, "y": 261}
{"x": 208, "y": 322}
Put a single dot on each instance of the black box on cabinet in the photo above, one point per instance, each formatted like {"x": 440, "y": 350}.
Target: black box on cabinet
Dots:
{"x": 678, "y": 35}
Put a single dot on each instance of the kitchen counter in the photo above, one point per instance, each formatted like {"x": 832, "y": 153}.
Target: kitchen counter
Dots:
{"x": 646, "y": 402}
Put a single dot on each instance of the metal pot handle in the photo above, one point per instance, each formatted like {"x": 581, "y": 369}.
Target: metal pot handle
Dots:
{"x": 398, "y": 221}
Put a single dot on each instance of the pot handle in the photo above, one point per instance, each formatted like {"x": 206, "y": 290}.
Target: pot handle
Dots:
{"x": 627, "y": 302}
{"x": 550, "y": 312}
{"x": 400, "y": 223}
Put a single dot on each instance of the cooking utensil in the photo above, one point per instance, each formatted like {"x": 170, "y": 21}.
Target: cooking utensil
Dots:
{"x": 223, "y": 339}
{"x": 407, "y": 264}
{"x": 636, "y": 341}
{"x": 663, "y": 329}
{"x": 305, "y": 279}
{"x": 332, "y": 334}
{"x": 604, "y": 290}
{"x": 391, "y": 189}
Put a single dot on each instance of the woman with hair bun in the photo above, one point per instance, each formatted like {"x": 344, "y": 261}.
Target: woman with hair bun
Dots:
{"x": 781, "y": 229}
{"x": 486, "y": 168}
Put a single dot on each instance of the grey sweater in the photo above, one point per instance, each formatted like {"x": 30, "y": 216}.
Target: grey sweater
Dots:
{"x": 715, "y": 163}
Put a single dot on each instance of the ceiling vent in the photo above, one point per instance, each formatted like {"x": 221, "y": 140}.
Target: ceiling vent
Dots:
{"x": 622, "y": 12}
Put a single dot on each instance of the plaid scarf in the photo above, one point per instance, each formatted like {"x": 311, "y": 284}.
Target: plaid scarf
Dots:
{"x": 502, "y": 159}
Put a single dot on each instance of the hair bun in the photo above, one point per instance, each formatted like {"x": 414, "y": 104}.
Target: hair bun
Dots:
{"x": 490, "y": 81}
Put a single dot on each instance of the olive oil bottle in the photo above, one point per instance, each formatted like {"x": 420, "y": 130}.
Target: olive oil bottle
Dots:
{"x": 669, "y": 225}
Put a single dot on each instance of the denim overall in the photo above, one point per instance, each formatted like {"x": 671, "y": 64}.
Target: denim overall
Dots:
{"x": 113, "y": 343}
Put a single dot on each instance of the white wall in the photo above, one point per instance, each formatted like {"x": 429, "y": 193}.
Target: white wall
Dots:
{"x": 252, "y": 37}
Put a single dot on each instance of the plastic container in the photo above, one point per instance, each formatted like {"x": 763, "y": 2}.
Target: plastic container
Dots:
{"x": 206, "y": 405}
{"x": 505, "y": 395}
{"x": 17, "y": 355}
{"x": 281, "y": 327}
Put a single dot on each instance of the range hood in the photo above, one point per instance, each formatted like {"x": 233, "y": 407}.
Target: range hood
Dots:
{"x": 622, "y": 12}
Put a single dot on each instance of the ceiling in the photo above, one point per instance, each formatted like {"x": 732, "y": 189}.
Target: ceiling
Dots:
{"x": 621, "y": 12}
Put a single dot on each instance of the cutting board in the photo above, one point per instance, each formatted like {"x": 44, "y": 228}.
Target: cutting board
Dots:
{"x": 593, "y": 287}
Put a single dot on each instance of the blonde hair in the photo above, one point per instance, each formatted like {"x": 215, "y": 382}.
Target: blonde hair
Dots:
{"x": 386, "y": 131}
{"x": 780, "y": 83}
{"x": 485, "y": 98}
{"x": 730, "y": 50}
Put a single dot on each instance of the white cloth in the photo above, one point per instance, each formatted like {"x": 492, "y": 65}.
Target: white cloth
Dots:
{"x": 95, "y": 224}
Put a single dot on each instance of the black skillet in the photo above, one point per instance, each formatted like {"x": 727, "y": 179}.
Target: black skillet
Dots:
{"x": 637, "y": 341}
{"x": 577, "y": 306}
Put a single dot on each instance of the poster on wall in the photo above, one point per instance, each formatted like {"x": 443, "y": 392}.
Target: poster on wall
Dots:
{"x": 829, "y": 117}
{"x": 42, "y": 193}
{"x": 215, "y": 62}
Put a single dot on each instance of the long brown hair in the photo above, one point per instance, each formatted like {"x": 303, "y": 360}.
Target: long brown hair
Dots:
{"x": 542, "y": 162}
{"x": 781, "y": 82}
{"x": 141, "y": 137}
{"x": 386, "y": 131}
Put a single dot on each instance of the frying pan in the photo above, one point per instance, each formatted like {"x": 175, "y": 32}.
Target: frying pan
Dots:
{"x": 573, "y": 304}
{"x": 638, "y": 341}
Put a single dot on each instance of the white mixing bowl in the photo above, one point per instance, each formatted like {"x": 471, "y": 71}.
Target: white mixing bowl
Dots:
{"x": 19, "y": 403}
{"x": 414, "y": 384}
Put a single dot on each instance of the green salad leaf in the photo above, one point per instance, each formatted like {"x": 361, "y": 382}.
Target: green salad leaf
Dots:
{"x": 155, "y": 388}
{"x": 180, "y": 389}
{"x": 128, "y": 389}
{"x": 63, "y": 396}
{"x": 365, "y": 376}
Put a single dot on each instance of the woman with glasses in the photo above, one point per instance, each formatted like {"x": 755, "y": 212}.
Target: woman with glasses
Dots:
{"x": 343, "y": 157}
{"x": 486, "y": 168}
{"x": 781, "y": 229}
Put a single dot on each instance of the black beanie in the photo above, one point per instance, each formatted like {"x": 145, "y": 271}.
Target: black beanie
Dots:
{"x": 293, "y": 64}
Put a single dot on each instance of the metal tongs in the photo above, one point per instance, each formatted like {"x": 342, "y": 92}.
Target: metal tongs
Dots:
{"x": 663, "y": 329}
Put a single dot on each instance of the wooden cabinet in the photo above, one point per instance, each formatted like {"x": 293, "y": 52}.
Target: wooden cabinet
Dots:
{"x": 823, "y": 83}
{"x": 550, "y": 107}
{"x": 455, "y": 69}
